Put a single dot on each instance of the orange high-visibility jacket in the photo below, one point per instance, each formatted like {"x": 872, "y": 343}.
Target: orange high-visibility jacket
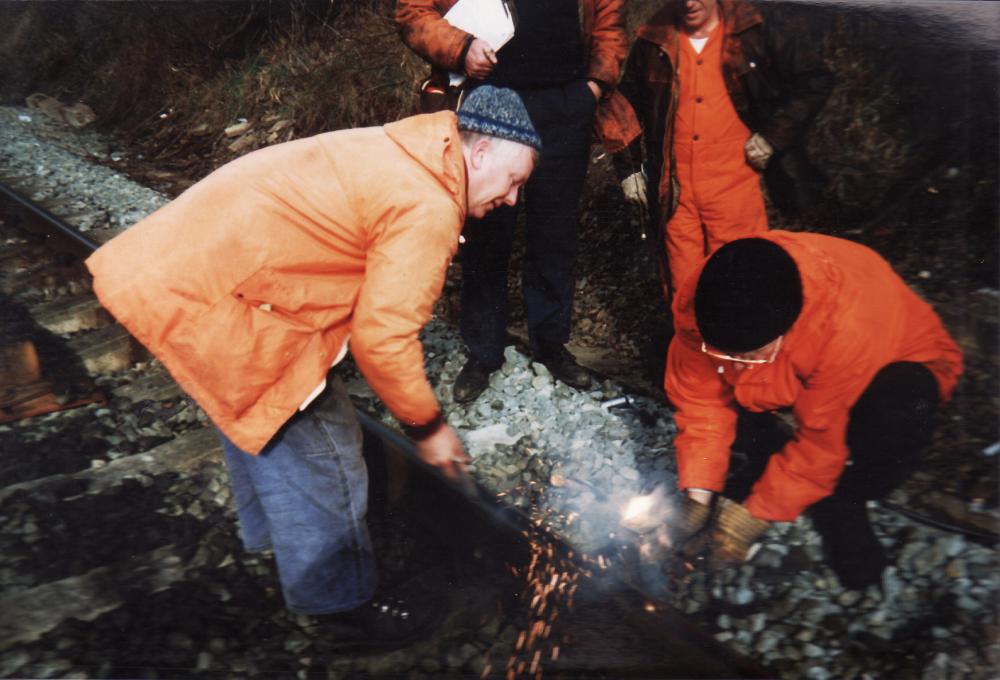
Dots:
{"x": 248, "y": 285}
{"x": 857, "y": 317}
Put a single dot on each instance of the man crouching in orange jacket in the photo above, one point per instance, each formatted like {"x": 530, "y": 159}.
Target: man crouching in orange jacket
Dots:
{"x": 248, "y": 288}
{"x": 824, "y": 328}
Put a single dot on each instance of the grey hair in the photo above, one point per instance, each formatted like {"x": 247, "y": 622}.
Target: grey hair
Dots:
{"x": 470, "y": 138}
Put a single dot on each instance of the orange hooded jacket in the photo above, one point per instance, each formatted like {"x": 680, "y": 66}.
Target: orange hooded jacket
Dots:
{"x": 249, "y": 284}
{"x": 857, "y": 317}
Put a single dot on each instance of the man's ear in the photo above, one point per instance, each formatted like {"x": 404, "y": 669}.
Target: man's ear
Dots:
{"x": 479, "y": 151}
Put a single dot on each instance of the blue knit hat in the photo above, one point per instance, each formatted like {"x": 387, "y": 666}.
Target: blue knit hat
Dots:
{"x": 498, "y": 112}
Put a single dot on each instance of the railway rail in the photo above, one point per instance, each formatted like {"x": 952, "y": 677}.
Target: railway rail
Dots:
{"x": 117, "y": 544}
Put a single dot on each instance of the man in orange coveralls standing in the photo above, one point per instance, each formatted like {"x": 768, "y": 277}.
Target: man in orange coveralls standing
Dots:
{"x": 821, "y": 327}
{"x": 248, "y": 287}
{"x": 723, "y": 92}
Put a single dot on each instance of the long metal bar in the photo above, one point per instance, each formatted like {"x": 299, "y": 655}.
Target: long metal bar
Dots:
{"x": 62, "y": 229}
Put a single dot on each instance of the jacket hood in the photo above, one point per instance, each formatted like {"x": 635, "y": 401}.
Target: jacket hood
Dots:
{"x": 432, "y": 140}
{"x": 663, "y": 26}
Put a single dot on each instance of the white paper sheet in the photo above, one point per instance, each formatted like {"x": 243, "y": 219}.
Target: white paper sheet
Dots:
{"x": 488, "y": 20}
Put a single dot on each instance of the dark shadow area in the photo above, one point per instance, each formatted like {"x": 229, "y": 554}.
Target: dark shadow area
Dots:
{"x": 76, "y": 532}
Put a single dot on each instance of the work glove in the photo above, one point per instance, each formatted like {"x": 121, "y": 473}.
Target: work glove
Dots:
{"x": 735, "y": 531}
{"x": 634, "y": 189}
{"x": 731, "y": 532}
{"x": 758, "y": 151}
{"x": 689, "y": 518}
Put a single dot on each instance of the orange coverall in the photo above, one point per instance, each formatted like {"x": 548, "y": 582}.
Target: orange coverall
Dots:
{"x": 720, "y": 196}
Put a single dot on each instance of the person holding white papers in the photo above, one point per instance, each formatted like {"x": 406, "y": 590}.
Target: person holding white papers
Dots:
{"x": 564, "y": 57}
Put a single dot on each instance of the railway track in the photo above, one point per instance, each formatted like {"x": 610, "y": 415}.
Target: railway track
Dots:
{"x": 118, "y": 553}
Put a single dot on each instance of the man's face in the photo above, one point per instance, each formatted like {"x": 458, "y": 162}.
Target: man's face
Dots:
{"x": 497, "y": 170}
{"x": 697, "y": 13}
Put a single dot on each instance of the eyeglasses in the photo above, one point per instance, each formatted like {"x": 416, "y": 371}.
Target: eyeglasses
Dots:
{"x": 741, "y": 360}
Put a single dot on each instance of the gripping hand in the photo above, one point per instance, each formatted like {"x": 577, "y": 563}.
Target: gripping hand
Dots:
{"x": 758, "y": 151}
{"x": 634, "y": 189}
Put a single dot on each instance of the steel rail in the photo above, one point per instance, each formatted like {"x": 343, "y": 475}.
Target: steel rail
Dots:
{"x": 66, "y": 231}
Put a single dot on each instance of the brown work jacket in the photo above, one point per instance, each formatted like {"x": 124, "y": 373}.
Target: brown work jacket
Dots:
{"x": 776, "y": 81}
{"x": 602, "y": 29}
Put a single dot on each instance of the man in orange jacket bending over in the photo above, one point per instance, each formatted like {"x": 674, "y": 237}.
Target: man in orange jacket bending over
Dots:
{"x": 248, "y": 287}
{"x": 821, "y": 327}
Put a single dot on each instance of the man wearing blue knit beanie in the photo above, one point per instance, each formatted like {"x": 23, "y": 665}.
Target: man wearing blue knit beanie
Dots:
{"x": 498, "y": 112}
{"x": 278, "y": 265}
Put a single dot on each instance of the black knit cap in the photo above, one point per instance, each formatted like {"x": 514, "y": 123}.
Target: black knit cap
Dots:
{"x": 748, "y": 294}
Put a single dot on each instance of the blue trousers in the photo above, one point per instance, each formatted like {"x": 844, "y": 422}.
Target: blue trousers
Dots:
{"x": 305, "y": 495}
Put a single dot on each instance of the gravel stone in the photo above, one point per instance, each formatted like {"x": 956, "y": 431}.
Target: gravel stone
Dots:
{"x": 606, "y": 456}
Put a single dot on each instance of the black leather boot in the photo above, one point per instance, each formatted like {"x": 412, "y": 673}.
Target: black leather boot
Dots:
{"x": 470, "y": 382}
{"x": 562, "y": 365}
{"x": 849, "y": 544}
{"x": 385, "y": 622}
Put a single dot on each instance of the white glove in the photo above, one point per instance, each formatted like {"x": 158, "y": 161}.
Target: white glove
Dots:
{"x": 634, "y": 188}
{"x": 758, "y": 151}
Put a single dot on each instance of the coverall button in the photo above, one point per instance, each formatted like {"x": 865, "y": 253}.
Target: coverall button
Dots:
{"x": 696, "y": 137}
{"x": 699, "y": 99}
{"x": 699, "y": 62}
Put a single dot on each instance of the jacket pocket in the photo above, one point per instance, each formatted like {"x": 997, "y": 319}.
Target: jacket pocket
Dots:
{"x": 244, "y": 344}
{"x": 279, "y": 295}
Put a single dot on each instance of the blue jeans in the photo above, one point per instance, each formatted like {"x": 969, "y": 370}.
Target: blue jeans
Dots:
{"x": 305, "y": 495}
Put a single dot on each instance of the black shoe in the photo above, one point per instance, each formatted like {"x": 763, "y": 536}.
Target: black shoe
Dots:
{"x": 562, "y": 365}
{"x": 384, "y": 622}
{"x": 470, "y": 382}
{"x": 849, "y": 544}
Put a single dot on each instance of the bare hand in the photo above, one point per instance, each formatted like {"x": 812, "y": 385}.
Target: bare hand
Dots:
{"x": 480, "y": 59}
{"x": 595, "y": 89}
{"x": 444, "y": 451}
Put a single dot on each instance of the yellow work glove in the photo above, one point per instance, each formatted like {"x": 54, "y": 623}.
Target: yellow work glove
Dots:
{"x": 689, "y": 518}
{"x": 731, "y": 532}
{"x": 734, "y": 531}
{"x": 758, "y": 151}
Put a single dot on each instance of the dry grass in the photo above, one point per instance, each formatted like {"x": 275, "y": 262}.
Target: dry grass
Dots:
{"x": 301, "y": 80}
{"x": 858, "y": 140}
{"x": 352, "y": 74}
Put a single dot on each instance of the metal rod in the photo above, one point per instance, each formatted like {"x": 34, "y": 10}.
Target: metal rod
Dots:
{"x": 63, "y": 229}
{"x": 466, "y": 487}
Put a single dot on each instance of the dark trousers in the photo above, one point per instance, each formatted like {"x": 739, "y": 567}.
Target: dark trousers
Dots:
{"x": 563, "y": 117}
{"x": 889, "y": 430}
